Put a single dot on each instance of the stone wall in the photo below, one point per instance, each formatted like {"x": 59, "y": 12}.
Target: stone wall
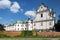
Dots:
{"x": 11, "y": 33}
{"x": 15, "y": 33}
{"x": 48, "y": 33}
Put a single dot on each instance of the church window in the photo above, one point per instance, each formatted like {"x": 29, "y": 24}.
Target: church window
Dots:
{"x": 22, "y": 25}
{"x": 18, "y": 24}
{"x": 50, "y": 23}
{"x": 34, "y": 24}
{"x": 41, "y": 15}
{"x": 18, "y": 28}
{"x": 41, "y": 7}
{"x": 41, "y": 23}
{"x": 25, "y": 28}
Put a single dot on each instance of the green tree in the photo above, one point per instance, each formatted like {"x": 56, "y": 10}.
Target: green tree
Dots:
{"x": 2, "y": 27}
{"x": 59, "y": 17}
{"x": 57, "y": 25}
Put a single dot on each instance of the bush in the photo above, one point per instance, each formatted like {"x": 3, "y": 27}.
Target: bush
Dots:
{"x": 3, "y": 35}
{"x": 25, "y": 34}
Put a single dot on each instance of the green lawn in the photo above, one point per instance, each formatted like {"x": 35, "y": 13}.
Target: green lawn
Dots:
{"x": 29, "y": 38}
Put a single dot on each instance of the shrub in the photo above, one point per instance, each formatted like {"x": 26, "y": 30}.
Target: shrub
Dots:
{"x": 25, "y": 34}
{"x": 3, "y": 35}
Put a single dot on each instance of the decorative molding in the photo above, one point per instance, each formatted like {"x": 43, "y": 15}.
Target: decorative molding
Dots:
{"x": 43, "y": 20}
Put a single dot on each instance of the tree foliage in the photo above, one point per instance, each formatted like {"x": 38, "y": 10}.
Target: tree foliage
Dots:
{"x": 2, "y": 27}
{"x": 57, "y": 26}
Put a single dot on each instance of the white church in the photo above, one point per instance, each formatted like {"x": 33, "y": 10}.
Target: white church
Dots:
{"x": 44, "y": 20}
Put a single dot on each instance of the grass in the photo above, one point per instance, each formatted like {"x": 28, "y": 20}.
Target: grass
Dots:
{"x": 29, "y": 38}
{"x": 4, "y": 36}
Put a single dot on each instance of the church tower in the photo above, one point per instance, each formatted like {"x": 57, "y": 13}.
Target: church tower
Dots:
{"x": 44, "y": 18}
{"x": 29, "y": 24}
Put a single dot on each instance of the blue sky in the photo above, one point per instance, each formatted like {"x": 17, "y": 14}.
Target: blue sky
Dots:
{"x": 7, "y": 15}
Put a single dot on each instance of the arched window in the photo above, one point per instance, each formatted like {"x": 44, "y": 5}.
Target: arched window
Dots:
{"x": 41, "y": 7}
{"x": 22, "y": 25}
{"x": 18, "y": 24}
{"x": 41, "y": 15}
{"x": 18, "y": 29}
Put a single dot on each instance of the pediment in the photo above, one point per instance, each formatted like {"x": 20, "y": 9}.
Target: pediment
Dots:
{"x": 42, "y": 8}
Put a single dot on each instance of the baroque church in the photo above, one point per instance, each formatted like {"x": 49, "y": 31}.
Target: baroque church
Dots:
{"x": 44, "y": 20}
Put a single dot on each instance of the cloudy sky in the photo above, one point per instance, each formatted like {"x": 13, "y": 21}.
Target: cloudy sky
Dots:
{"x": 13, "y": 10}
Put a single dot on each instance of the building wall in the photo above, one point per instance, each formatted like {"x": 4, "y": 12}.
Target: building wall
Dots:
{"x": 30, "y": 25}
{"x": 16, "y": 27}
{"x": 43, "y": 19}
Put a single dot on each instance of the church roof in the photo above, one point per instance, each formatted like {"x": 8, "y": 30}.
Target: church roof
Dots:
{"x": 21, "y": 22}
{"x": 18, "y": 22}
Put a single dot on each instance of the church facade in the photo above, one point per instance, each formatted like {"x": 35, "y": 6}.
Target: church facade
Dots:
{"x": 44, "y": 20}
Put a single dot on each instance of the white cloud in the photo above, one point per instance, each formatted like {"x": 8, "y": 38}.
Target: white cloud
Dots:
{"x": 15, "y": 7}
{"x": 30, "y": 13}
{"x": 5, "y": 4}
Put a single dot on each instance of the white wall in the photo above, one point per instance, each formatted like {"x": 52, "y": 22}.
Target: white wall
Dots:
{"x": 46, "y": 19}
{"x": 15, "y": 27}
{"x": 30, "y": 25}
